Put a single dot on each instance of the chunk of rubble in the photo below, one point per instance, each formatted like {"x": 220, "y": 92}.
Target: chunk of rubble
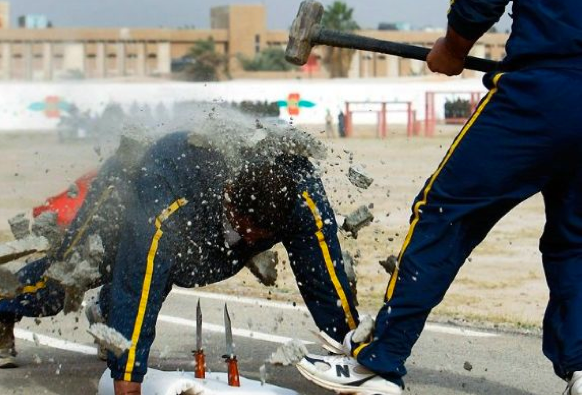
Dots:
{"x": 289, "y": 353}
{"x": 20, "y": 226}
{"x": 349, "y": 264}
{"x": 20, "y": 248}
{"x": 364, "y": 331}
{"x": 264, "y": 267}
{"x": 78, "y": 273}
{"x": 357, "y": 220}
{"x": 390, "y": 264}
{"x": 110, "y": 339}
{"x": 359, "y": 177}
{"x": 9, "y": 284}
{"x": 45, "y": 225}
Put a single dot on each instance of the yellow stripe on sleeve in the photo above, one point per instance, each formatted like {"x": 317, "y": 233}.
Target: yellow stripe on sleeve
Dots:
{"x": 145, "y": 292}
{"x": 328, "y": 262}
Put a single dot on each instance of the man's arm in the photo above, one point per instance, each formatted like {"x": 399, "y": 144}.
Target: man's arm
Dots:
{"x": 316, "y": 259}
{"x": 468, "y": 21}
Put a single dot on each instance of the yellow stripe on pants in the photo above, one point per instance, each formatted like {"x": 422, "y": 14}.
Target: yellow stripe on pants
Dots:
{"x": 145, "y": 291}
{"x": 423, "y": 201}
{"x": 328, "y": 262}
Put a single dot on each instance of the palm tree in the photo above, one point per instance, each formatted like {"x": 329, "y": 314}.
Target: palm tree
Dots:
{"x": 338, "y": 16}
{"x": 206, "y": 62}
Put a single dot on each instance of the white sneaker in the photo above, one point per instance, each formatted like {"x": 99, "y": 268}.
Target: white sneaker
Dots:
{"x": 575, "y": 384}
{"x": 345, "y": 375}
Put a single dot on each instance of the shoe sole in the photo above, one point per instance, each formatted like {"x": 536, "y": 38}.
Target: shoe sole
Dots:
{"x": 8, "y": 363}
{"x": 338, "y": 388}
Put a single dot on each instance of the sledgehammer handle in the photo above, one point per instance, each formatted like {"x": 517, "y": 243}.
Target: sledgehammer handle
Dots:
{"x": 334, "y": 38}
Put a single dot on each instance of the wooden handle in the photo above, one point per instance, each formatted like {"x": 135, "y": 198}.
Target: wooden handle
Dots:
{"x": 200, "y": 370}
{"x": 233, "y": 377}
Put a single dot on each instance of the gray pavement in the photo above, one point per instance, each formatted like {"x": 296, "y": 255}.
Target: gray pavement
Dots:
{"x": 500, "y": 363}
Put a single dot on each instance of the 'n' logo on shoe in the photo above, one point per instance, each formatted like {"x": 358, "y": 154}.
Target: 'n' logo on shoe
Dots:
{"x": 342, "y": 370}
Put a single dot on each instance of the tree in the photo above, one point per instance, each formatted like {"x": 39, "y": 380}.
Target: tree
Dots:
{"x": 206, "y": 62}
{"x": 338, "y": 16}
{"x": 269, "y": 59}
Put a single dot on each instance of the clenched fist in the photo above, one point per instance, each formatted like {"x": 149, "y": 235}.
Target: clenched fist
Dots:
{"x": 448, "y": 54}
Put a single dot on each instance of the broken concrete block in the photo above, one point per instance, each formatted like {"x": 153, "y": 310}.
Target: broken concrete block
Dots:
{"x": 264, "y": 267}
{"x": 20, "y": 226}
{"x": 357, "y": 220}
{"x": 109, "y": 338}
{"x": 73, "y": 191}
{"x": 20, "y": 248}
{"x": 349, "y": 263}
{"x": 364, "y": 330}
{"x": 46, "y": 225}
{"x": 289, "y": 354}
{"x": 359, "y": 177}
{"x": 9, "y": 284}
{"x": 390, "y": 264}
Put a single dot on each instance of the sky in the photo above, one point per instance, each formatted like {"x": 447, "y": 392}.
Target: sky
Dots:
{"x": 177, "y": 13}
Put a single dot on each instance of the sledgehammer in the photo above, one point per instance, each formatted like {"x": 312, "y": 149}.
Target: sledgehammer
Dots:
{"x": 306, "y": 32}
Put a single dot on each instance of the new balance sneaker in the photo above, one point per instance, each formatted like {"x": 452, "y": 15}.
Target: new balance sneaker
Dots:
{"x": 345, "y": 375}
{"x": 7, "y": 347}
{"x": 575, "y": 384}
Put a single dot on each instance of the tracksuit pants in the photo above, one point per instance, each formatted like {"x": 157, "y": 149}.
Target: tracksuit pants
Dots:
{"x": 525, "y": 137}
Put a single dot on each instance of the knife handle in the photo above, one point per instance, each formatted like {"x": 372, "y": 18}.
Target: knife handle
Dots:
{"x": 200, "y": 359}
{"x": 233, "y": 377}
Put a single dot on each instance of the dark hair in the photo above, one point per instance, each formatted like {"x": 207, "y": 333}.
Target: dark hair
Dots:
{"x": 265, "y": 192}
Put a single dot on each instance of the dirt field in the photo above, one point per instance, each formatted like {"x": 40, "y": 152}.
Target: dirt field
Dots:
{"x": 502, "y": 284}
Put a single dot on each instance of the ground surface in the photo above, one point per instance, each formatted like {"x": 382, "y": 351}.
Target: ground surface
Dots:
{"x": 499, "y": 363}
{"x": 502, "y": 285}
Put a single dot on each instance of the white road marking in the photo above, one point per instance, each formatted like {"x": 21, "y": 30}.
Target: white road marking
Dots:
{"x": 451, "y": 330}
{"x": 235, "y": 331}
{"x": 435, "y": 328}
{"x": 54, "y": 342}
{"x": 241, "y": 299}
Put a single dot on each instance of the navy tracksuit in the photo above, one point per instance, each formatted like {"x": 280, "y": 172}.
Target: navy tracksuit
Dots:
{"x": 525, "y": 137}
{"x": 173, "y": 232}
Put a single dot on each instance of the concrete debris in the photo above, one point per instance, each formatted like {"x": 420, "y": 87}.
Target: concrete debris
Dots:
{"x": 390, "y": 264}
{"x": 289, "y": 353}
{"x": 467, "y": 366}
{"x": 357, "y": 220}
{"x": 364, "y": 331}
{"x": 359, "y": 177}
{"x": 9, "y": 284}
{"x": 264, "y": 267}
{"x": 78, "y": 273}
{"x": 46, "y": 225}
{"x": 109, "y": 338}
{"x": 20, "y": 248}
{"x": 241, "y": 138}
{"x": 20, "y": 226}
{"x": 349, "y": 264}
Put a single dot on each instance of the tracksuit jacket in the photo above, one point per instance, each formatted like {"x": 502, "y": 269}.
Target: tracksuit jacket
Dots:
{"x": 173, "y": 231}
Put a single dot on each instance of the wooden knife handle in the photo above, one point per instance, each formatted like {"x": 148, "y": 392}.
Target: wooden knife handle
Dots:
{"x": 200, "y": 359}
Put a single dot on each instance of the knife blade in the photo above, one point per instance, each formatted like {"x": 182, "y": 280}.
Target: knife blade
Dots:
{"x": 228, "y": 333}
{"x": 198, "y": 327}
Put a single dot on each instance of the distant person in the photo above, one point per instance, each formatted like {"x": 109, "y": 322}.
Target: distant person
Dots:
{"x": 329, "y": 133}
{"x": 341, "y": 124}
{"x": 525, "y": 137}
{"x": 180, "y": 217}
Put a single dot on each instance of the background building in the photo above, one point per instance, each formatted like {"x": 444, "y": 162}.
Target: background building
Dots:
{"x": 4, "y": 15}
{"x": 57, "y": 53}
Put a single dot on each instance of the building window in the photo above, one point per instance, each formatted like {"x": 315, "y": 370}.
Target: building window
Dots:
{"x": 152, "y": 56}
{"x": 257, "y": 43}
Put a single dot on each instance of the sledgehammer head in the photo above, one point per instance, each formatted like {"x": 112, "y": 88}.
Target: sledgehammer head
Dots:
{"x": 300, "y": 45}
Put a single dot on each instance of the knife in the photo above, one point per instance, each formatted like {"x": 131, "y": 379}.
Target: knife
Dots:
{"x": 199, "y": 357}
{"x": 230, "y": 358}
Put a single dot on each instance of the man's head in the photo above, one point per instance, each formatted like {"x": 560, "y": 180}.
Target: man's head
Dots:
{"x": 260, "y": 199}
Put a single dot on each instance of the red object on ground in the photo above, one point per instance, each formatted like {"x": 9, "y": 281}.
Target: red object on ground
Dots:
{"x": 67, "y": 206}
